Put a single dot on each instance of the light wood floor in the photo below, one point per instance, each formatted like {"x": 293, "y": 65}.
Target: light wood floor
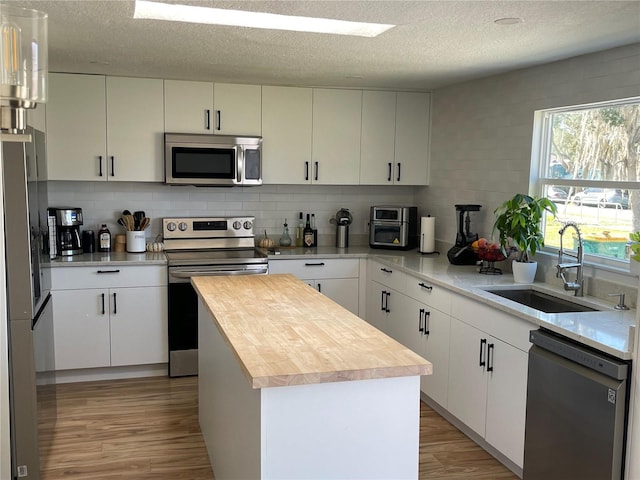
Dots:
{"x": 148, "y": 429}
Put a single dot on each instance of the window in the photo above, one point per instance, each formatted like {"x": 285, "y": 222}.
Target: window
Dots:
{"x": 588, "y": 161}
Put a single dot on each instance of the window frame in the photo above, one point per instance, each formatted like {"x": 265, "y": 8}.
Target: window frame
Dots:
{"x": 540, "y": 155}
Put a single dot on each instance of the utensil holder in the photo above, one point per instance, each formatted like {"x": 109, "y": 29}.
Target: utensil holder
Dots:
{"x": 136, "y": 241}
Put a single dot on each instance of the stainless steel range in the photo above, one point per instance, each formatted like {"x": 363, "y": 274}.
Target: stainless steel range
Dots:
{"x": 196, "y": 247}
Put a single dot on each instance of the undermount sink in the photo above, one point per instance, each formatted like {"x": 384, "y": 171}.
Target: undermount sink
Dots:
{"x": 541, "y": 301}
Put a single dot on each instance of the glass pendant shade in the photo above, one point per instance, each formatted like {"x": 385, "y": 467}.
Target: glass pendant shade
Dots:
{"x": 23, "y": 64}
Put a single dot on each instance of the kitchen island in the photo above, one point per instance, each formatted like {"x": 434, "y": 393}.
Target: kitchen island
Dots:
{"x": 291, "y": 385}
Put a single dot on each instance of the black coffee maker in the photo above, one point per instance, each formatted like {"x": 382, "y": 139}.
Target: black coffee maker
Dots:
{"x": 68, "y": 223}
{"x": 462, "y": 253}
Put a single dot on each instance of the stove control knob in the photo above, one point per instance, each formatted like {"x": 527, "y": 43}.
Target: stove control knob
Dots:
{"x": 171, "y": 226}
{"x": 237, "y": 225}
{"x": 182, "y": 226}
{"x": 248, "y": 225}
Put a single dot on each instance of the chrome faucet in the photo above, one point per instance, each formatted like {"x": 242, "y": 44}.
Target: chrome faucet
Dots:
{"x": 576, "y": 286}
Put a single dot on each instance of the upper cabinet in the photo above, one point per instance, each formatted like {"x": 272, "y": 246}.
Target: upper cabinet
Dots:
{"x": 337, "y": 119}
{"x": 237, "y": 109}
{"x": 286, "y": 130}
{"x": 395, "y": 138}
{"x": 188, "y": 107}
{"x": 105, "y": 128}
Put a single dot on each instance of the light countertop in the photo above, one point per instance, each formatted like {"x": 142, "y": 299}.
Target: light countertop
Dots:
{"x": 110, "y": 258}
{"x": 284, "y": 332}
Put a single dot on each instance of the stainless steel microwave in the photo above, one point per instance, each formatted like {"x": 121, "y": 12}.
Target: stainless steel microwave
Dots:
{"x": 212, "y": 160}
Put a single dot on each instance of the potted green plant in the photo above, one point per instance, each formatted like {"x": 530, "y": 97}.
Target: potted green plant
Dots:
{"x": 634, "y": 250}
{"x": 518, "y": 221}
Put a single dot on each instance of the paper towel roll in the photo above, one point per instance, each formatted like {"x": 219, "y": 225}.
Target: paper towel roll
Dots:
{"x": 427, "y": 234}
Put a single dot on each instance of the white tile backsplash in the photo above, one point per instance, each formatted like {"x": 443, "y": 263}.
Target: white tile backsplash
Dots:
{"x": 103, "y": 202}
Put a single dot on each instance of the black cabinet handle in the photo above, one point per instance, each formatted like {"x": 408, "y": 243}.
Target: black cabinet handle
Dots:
{"x": 317, "y": 167}
{"x": 207, "y": 119}
{"x": 218, "y": 120}
{"x": 385, "y": 270}
{"x": 425, "y": 286}
{"x": 490, "y": 357}
{"x": 398, "y": 172}
{"x": 427, "y": 316}
{"x": 387, "y": 303}
{"x": 103, "y": 312}
{"x": 482, "y": 361}
{"x": 113, "y": 166}
{"x": 389, "y": 175}
{"x": 100, "y": 164}
{"x": 382, "y": 297}
{"x": 320, "y": 264}
{"x": 108, "y": 271}
{"x": 115, "y": 303}
{"x": 306, "y": 170}
{"x": 320, "y": 287}
{"x": 421, "y": 318}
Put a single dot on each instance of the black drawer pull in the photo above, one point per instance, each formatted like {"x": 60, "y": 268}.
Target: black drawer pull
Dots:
{"x": 424, "y": 285}
{"x": 321, "y": 264}
{"x": 420, "y": 327}
{"x": 427, "y": 316}
{"x": 109, "y": 271}
{"x": 386, "y": 309}
{"x": 115, "y": 304}
{"x": 482, "y": 361}
{"x": 490, "y": 358}
{"x": 386, "y": 270}
{"x": 103, "y": 312}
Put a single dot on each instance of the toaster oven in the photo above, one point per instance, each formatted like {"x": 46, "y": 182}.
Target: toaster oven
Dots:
{"x": 393, "y": 227}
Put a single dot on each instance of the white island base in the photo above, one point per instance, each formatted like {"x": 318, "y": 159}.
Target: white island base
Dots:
{"x": 362, "y": 429}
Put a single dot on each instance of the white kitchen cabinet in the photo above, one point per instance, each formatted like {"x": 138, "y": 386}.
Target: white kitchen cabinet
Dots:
{"x": 237, "y": 109}
{"x": 76, "y": 127}
{"x": 377, "y": 156}
{"x": 287, "y": 134}
{"x": 488, "y": 375}
{"x": 338, "y": 279}
{"x": 413, "y": 120}
{"x": 135, "y": 129}
{"x": 337, "y": 120}
{"x": 105, "y": 128}
{"x": 109, "y": 316}
{"x": 188, "y": 106}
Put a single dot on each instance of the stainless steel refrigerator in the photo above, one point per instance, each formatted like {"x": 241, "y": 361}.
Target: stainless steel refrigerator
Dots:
{"x": 29, "y": 305}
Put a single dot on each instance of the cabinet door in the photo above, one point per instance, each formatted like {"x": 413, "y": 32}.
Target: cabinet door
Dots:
{"x": 378, "y": 300}
{"x": 377, "y": 155}
{"x": 81, "y": 328}
{"x": 237, "y": 109}
{"x": 337, "y": 118}
{"x": 343, "y": 291}
{"x": 286, "y": 131}
{"x": 76, "y": 127}
{"x": 506, "y": 399}
{"x": 135, "y": 129}
{"x": 138, "y": 325}
{"x": 412, "y": 138}
{"x": 467, "y": 397}
{"x": 188, "y": 107}
{"x": 433, "y": 344}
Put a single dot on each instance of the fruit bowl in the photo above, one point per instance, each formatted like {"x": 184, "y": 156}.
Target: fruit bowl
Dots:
{"x": 489, "y": 254}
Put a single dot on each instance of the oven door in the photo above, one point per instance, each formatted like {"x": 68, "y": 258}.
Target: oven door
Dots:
{"x": 193, "y": 164}
{"x": 183, "y": 312}
{"x": 388, "y": 234}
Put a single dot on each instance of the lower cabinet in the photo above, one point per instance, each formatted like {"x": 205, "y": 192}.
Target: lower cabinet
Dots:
{"x": 338, "y": 279}
{"x": 110, "y": 326}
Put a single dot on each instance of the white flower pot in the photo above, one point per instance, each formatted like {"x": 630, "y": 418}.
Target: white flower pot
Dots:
{"x": 524, "y": 272}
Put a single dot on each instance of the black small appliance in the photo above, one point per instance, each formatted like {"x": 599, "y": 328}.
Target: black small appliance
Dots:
{"x": 462, "y": 253}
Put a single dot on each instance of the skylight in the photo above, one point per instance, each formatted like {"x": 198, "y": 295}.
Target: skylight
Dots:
{"x": 240, "y": 18}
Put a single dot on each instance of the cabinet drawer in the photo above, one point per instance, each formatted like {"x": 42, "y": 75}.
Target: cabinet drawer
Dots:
{"x": 432, "y": 295}
{"x": 388, "y": 276}
{"x": 501, "y": 325}
{"x": 318, "y": 268}
{"x": 65, "y": 278}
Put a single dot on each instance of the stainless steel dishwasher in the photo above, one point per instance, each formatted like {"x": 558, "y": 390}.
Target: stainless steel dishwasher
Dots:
{"x": 576, "y": 420}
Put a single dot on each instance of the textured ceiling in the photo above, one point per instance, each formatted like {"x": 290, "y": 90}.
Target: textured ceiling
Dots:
{"x": 435, "y": 43}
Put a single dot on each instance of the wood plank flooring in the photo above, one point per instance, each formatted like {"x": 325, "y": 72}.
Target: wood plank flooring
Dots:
{"x": 147, "y": 429}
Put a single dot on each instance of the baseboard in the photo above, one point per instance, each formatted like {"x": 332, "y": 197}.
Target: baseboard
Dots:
{"x": 106, "y": 373}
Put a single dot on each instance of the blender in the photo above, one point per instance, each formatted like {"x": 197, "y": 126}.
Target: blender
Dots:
{"x": 462, "y": 253}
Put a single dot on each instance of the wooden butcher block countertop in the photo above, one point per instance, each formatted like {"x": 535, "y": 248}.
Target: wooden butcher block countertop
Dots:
{"x": 283, "y": 332}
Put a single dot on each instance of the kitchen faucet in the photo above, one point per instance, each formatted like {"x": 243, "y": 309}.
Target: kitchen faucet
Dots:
{"x": 576, "y": 286}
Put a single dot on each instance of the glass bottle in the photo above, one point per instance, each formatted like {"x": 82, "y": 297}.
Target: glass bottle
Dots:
{"x": 300, "y": 231}
{"x": 285, "y": 239}
{"x": 308, "y": 233}
{"x": 104, "y": 239}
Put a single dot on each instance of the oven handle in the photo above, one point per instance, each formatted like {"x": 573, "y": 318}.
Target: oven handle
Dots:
{"x": 220, "y": 271}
